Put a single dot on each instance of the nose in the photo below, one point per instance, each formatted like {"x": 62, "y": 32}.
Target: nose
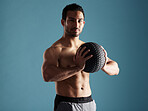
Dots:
{"x": 76, "y": 24}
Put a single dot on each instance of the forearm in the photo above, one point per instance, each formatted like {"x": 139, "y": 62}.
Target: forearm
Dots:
{"x": 58, "y": 74}
{"x": 111, "y": 68}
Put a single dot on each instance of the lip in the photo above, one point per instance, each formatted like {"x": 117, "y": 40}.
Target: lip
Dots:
{"x": 75, "y": 30}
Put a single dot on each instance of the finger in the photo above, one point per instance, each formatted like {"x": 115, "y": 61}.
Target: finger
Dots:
{"x": 81, "y": 51}
{"x": 104, "y": 51}
{"x": 78, "y": 51}
{"x": 106, "y": 59}
{"x": 88, "y": 57}
{"x": 86, "y": 52}
{"x": 102, "y": 47}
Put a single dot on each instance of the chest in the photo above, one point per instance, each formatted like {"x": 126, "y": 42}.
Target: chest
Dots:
{"x": 66, "y": 57}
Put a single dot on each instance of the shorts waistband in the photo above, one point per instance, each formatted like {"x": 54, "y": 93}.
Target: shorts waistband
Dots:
{"x": 73, "y": 99}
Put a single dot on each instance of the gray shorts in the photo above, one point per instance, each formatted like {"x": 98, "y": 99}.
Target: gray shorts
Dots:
{"x": 74, "y": 104}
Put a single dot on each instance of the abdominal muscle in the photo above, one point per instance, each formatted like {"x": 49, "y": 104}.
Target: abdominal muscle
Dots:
{"x": 75, "y": 86}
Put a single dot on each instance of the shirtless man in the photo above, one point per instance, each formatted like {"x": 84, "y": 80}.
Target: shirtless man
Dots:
{"x": 64, "y": 66}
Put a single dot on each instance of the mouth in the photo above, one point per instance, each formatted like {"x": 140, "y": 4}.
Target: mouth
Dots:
{"x": 75, "y": 30}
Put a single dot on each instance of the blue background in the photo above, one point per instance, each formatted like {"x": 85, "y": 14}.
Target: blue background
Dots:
{"x": 29, "y": 27}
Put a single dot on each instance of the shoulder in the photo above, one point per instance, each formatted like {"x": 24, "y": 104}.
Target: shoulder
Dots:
{"x": 82, "y": 42}
{"x": 53, "y": 51}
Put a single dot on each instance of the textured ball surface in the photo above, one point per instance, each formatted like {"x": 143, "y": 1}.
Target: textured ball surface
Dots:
{"x": 97, "y": 61}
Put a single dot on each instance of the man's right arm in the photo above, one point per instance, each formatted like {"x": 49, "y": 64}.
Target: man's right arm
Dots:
{"x": 51, "y": 70}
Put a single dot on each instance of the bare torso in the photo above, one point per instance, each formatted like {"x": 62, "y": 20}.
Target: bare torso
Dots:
{"x": 77, "y": 85}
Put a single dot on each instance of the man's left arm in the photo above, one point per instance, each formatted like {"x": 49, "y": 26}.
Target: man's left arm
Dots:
{"x": 111, "y": 67}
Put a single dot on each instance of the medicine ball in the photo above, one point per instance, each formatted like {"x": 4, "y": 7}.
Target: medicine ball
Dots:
{"x": 96, "y": 62}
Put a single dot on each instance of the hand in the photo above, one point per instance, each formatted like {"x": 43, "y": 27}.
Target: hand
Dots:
{"x": 80, "y": 58}
{"x": 106, "y": 58}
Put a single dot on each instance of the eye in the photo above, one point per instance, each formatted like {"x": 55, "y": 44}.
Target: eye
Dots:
{"x": 81, "y": 20}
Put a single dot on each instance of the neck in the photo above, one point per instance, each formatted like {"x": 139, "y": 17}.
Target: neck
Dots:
{"x": 71, "y": 41}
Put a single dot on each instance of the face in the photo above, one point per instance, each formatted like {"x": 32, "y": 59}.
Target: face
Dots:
{"x": 74, "y": 23}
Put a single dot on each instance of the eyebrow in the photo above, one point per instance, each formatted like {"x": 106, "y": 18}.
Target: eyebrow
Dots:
{"x": 74, "y": 18}
{"x": 71, "y": 18}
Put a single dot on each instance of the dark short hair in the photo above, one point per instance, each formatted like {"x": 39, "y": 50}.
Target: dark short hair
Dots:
{"x": 71, "y": 7}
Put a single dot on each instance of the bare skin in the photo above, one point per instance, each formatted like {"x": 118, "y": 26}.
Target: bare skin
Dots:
{"x": 64, "y": 62}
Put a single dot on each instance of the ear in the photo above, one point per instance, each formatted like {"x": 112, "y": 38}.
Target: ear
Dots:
{"x": 62, "y": 22}
{"x": 83, "y": 22}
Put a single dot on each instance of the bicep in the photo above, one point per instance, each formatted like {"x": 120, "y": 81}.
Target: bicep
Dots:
{"x": 50, "y": 59}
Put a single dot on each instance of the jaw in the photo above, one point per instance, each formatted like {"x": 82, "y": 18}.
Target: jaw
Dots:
{"x": 72, "y": 34}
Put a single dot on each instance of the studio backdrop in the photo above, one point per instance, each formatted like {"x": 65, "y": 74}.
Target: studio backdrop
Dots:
{"x": 29, "y": 27}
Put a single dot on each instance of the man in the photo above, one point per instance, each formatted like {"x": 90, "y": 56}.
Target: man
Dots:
{"x": 64, "y": 64}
